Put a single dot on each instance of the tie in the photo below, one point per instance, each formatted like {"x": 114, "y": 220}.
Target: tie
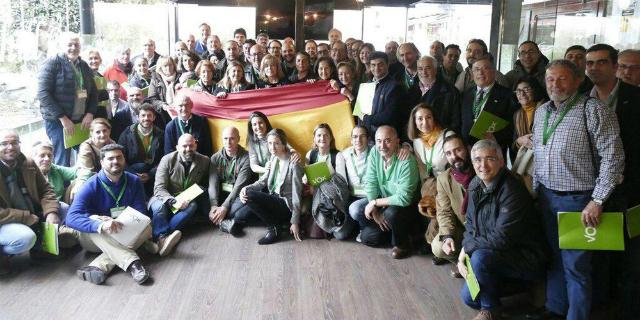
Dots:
{"x": 477, "y": 105}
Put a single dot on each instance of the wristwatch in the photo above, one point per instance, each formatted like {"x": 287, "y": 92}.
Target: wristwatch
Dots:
{"x": 597, "y": 201}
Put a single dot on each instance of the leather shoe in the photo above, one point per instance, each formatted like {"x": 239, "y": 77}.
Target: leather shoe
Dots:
{"x": 91, "y": 274}
{"x": 399, "y": 253}
{"x": 543, "y": 314}
{"x": 438, "y": 261}
{"x": 138, "y": 272}
{"x": 231, "y": 226}
{"x": 270, "y": 237}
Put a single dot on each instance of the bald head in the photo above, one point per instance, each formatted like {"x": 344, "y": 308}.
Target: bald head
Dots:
{"x": 230, "y": 140}
{"x": 387, "y": 141}
{"x": 187, "y": 146}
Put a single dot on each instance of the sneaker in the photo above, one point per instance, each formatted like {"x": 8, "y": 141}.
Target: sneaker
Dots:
{"x": 359, "y": 237}
{"x": 67, "y": 237}
{"x": 486, "y": 315}
{"x": 138, "y": 272}
{"x": 167, "y": 243}
{"x": 231, "y": 227}
{"x": 91, "y": 274}
{"x": 151, "y": 247}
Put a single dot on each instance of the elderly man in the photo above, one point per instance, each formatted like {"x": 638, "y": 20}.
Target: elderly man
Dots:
{"x": 129, "y": 115}
{"x": 476, "y": 48}
{"x": 149, "y": 52}
{"x": 191, "y": 43}
{"x": 230, "y": 172}
{"x": 577, "y": 54}
{"x": 26, "y": 198}
{"x": 93, "y": 211}
{"x": 629, "y": 66}
{"x": 311, "y": 48}
{"x": 187, "y": 122}
{"x": 214, "y": 48}
{"x": 531, "y": 63}
{"x": 408, "y": 55}
{"x": 490, "y": 96}
{"x": 121, "y": 67}
{"x": 288, "y": 63}
{"x": 232, "y": 53}
{"x": 385, "y": 109}
{"x": 144, "y": 145}
{"x": 391, "y": 187}
{"x": 623, "y": 99}
{"x": 451, "y": 204}
{"x": 67, "y": 95}
{"x": 503, "y": 234}
{"x": 391, "y": 49}
{"x": 252, "y": 72}
{"x": 339, "y": 52}
{"x": 201, "y": 44}
{"x": 575, "y": 171}
{"x": 442, "y": 97}
{"x": 436, "y": 50}
{"x": 176, "y": 172}
{"x": 334, "y": 35}
{"x": 450, "y": 67}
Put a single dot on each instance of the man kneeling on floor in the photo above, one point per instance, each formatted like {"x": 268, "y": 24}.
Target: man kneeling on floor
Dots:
{"x": 503, "y": 235}
{"x": 92, "y": 213}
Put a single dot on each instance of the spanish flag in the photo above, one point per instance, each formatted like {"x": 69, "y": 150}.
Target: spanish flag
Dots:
{"x": 296, "y": 109}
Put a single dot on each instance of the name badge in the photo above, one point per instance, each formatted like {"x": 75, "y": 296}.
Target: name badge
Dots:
{"x": 82, "y": 94}
{"x": 358, "y": 192}
{"x": 115, "y": 212}
{"x": 227, "y": 187}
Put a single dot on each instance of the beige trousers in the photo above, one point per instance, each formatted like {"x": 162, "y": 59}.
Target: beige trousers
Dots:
{"x": 436, "y": 245}
{"x": 112, "y": 252}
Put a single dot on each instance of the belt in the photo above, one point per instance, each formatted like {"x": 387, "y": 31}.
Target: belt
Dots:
{"x": 569, "y": 193}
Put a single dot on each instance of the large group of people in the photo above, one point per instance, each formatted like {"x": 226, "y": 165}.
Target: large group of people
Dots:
{"x": 413, "y": 176}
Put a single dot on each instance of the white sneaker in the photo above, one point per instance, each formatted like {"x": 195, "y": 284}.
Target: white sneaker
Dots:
{"x": 167, "y": 243}
{"x": 359, "y": 237}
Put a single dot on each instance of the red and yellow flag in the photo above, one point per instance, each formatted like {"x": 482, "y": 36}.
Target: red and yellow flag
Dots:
{"x": 296, "y": 109}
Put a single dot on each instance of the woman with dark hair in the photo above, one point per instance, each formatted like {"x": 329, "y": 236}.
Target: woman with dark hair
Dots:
{"x": 205, "y": 70}
{"x": 427, "y": 134}
{"x": 346, "y": 83}
{"x": 303, "y": 72}
{"x": 257, "y": 128}
{"x": 324, "y": 147}
{"x": 362, "y": 62}
{"x": 233, "y": 81}
{"x": 530, "y": 95}
{"x": 271, "y": 74}
{"x": 276, "y": 197}
{"x": 187, "y": 68}
{"x": 325, "y": 69}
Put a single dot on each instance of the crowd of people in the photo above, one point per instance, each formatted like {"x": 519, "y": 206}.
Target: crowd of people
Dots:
{"x": 414, "y": 177}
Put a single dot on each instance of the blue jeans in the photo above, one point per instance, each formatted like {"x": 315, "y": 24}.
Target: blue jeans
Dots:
{"x": 165, "y": 222}
{"x": 569, "y": 282}
{"x": 491, "y": 271}
{"x": 54, "y": 129}
{"x": 356, "y": 211}
{"x": 16, "y": 238}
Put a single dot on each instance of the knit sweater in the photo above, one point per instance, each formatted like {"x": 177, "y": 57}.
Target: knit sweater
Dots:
{"x": 399, "y": 182}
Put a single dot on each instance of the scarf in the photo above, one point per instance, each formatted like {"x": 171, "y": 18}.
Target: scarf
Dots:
{"x": 126, "y": 68}
{"x": 430, "y": 138}
{"x": 463, "y": 178}
{"x": 528, "y": 111}
{"x": 169, "y": 82}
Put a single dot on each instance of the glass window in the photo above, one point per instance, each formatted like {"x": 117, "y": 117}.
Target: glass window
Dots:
{"x": 349, "y": 22}
{"x": 223, "y": 20}
{"x": 384, "y": 24}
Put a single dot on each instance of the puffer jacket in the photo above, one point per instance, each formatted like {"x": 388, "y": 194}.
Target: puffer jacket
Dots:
{"x": 57, "y": 88}
{"x": 330, "y": 207}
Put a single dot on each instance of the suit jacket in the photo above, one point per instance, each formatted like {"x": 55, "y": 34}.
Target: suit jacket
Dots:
{"x": 444, "y": 99}
{"x": 386, "y": 109}
{"x": 502, "y": 103}
{"x": 199, "y": 129}
{"x": 39, "y": 190}
{"x": 628, "y": 112}
{"x": 170, "y": 176}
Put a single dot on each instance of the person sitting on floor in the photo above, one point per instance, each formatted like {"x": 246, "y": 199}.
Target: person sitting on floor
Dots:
{"x": 93, "y": 211}
{"x": 503, "y": 235}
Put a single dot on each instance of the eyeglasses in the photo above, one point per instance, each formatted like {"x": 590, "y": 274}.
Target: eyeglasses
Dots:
{"x": 523, "y": 91}
{"x": 6, "y": 144}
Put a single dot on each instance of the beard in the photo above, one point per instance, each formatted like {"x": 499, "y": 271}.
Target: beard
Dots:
{"x": 460, "y": 164}
{"x": 135, "y": 105}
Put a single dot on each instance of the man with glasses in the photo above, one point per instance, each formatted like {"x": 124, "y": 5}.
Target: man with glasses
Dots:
{"x": 503, "y": 234}
{"x": 275, "y": 48}
{"x": 629, "y": 67}
{"x": 531, "y": 63}
{"x": 252, "y": 72}
{"x": 26, "y": 198}
{"x": 323, "y": 50}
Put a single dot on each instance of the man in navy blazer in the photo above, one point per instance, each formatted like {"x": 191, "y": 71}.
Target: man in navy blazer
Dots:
{"x": 187, "y": 122}
{"x": 488, "y": 96}
{"x": 385, "y": 109}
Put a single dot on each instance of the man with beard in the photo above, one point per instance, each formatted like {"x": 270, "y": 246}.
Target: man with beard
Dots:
{"x": 176, "y": 172}
{"x": 263, "y": 39}
{"x": 288, "y": 59}
{"x": 93, "y": 212}
{"x": 275, "y": 48}
{"x": 451, "y": 201}
{"x": 323, "y": 51}
{"x": 26, "y": 198}
{"x": 579, "y": 162}
{"x": 187, "y": 122}
{"x": 214, "y": 48}
{"x": 143, "y": 143}
{"x": 201, "y": 45}
{"x": 476, "y": 48}
{"x": 129, "y": 115}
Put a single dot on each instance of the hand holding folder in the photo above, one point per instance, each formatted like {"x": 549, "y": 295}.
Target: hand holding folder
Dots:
{"x": 187, "y": 195}
{"x": 606, "y": 236}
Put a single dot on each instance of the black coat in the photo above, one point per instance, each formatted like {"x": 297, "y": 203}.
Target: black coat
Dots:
{"x": 386, "y": 109}
{"x": 501, "y": 102}
{"x": 199, "y": 130}
{"x": 444, "y": 99}
{"x": 134, "y": 150}
{"x": 502, "y": 218}
{"x": 628, "y": 112}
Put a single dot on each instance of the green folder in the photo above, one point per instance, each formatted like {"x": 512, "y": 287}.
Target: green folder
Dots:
{"x": 606, "y": 236}
{"x": 633, "y": 221}
{"x": 145, "y": 91}
{"x": 50, "y": 238}
{"x": 487, "y": 122}
{"x": 78, "y": 137}
{"x": 364, "y": 101}
{"x": 126, "y": 87}
{"x": 472, "y": 281}
{"x": 191, "y": 82}
{"x": 317, "y": 173}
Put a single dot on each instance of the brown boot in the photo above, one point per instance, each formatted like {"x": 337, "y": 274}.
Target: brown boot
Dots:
{"x": 486, "y": 315}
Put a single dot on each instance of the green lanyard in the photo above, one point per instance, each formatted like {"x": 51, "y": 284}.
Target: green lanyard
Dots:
{"x": 108, "y": 189}
{"x": 274, "y": 181}
{"x": 408, "y": 79}
{"x": 147, "y": 148}
{"x": 546, "y": 131}
{"x": 429, "y": 162}
{"x": 355, "y": 167}
{"x": 182, "y": 128}
{"x": 261, "y": 160}
{"x": 478, "y": 106}
{"x": 229, "y": 170}
{"x": 78, "y": 77}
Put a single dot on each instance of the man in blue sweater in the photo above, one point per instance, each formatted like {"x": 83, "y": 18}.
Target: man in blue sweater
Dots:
{"x": 100, "y": 198}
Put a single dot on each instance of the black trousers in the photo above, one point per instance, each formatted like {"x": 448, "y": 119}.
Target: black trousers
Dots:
{"x": 400, "y": 219}
{"x": 271, "y": 209}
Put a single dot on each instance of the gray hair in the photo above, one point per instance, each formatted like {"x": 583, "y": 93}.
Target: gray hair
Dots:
{"x": 487, "y": 144}
{"x": 429, "y": 58}
{"x": 629, "y": 51}
{"x": 39, "y": 145}
{"x": 564, "y": 63}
